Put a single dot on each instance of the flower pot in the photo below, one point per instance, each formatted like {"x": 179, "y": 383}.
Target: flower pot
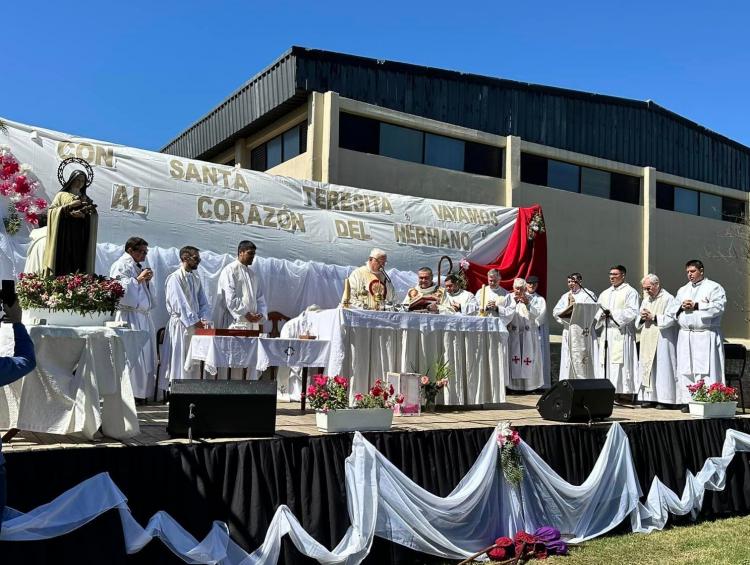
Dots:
{"x": 713, "y": 409}
{"x": 33, "y": 316}
{"x": 351, "y": 419}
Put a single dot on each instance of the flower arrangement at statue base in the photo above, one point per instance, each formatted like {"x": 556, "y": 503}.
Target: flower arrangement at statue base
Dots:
{"x": 371, "y": 412}
{"x": 509, "y": 456}
{"x": 68, "y": 300}
{"x": 713, "y": 401}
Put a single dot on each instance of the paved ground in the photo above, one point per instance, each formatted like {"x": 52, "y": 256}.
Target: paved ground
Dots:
{"x": 520, "y": 410}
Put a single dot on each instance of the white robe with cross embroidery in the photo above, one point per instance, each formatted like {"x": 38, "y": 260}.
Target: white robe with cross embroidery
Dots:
{"x": 524, "y": 352}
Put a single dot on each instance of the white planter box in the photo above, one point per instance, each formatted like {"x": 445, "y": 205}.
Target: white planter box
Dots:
{"x": 33, "y": 316}
{"x": 713, "y": 409}
{"x": 351, "y": 420}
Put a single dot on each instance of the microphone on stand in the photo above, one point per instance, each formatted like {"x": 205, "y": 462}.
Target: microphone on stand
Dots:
{"x": 387, "y": 280}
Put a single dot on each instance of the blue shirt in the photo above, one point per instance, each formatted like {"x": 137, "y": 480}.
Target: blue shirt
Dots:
{"x": 22, "y": 362}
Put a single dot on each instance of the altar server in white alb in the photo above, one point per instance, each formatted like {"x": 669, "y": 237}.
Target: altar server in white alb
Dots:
{"x": 620, "y": 304}
{"x": 239, "y": 298}
{"x": 188, "y": 310}
{"x": 494, "y": 296}
{"x": 135, "y": 309}
{"x": 585, "y": 346}
{"x": 457, "y": 300}
{"x": 538, "y": 303}
{"x": 525, "y": 353}
{"x": 657, "y": 359}
{"x": 361, "y": 282}
{"x": 698, "y": 308}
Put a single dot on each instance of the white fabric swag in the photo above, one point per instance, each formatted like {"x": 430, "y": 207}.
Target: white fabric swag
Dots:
{"x": 382, "y": 501}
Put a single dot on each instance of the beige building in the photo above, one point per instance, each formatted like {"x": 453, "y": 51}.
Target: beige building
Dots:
{"x": 634, "y": 210}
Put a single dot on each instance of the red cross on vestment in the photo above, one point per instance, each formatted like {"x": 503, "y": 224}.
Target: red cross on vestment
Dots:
{"x": 516, "y": 359}
{"x": 527, "y": 361}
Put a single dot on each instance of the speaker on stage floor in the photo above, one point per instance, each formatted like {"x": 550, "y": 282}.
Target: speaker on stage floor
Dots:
{"x": 222, "y": 408}
{"x": 579, "y": 400}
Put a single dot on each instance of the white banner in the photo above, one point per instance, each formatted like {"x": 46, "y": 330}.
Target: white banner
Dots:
{"x": 171, "y": 202}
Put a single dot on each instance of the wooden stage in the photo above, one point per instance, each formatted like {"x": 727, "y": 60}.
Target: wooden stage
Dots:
{"x": 290, "y": 422}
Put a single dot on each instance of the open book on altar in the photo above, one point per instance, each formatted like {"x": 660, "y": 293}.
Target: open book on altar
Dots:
{"x": 422, "y": 303}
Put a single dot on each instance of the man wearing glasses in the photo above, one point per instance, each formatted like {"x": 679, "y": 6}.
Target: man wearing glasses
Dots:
{"x": 188, "y": 310}
{"x": 615, "y": 322}
{"x": 365, "y": 294}
{"x": 135, "y": 308}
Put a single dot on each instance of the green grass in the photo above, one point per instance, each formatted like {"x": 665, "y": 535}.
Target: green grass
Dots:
{"x": 722, "y": 541}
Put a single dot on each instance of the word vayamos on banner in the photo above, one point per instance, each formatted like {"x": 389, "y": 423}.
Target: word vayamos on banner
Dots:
{"x": 236, "y": 212}
{"x": 432, "y": 237}
{"x": 462, "y": 214}
{"x": 327, "y": 199}
{"x": 212, "y": 175}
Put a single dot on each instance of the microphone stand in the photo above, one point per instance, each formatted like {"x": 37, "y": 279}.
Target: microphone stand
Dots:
{"x": 607, "y": 316}
{"x": 387, "y": 280}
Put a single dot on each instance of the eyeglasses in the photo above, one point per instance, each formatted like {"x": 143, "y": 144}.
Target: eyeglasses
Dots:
{"x": 194, "y": 259}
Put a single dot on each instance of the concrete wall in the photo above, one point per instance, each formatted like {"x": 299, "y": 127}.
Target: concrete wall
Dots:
{"x": 402, "y": 177}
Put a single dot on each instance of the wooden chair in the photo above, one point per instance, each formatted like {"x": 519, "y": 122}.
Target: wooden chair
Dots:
{"x": 276, "y": 319}
{"x": 737, "y": 354}
{"x": 159, "y": 343}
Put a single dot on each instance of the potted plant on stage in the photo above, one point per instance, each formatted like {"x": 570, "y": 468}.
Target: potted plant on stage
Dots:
{"x": 713, "y": 401}
{"x": 433, "y": 382}
{"x": 371, "y": 412}
{"x": 68, "y": 300}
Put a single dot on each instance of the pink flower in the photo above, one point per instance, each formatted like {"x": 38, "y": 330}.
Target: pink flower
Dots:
{"x": 340, "y": 381}
{"x": 425, "y": 380}
{"x": 320, "y": 380}
{"x": 311, "y": 390}
{"x": 358, "y": 397}
{"x": 399, "y": 399}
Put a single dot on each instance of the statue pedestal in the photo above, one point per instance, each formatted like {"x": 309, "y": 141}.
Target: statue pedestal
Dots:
{"x": 34, "y": 316}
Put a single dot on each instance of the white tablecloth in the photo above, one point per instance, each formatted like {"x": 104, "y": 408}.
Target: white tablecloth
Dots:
{"x": 256, "y": 353}
{"x": 365, "y": 345}
{"x": 76, "y": 369}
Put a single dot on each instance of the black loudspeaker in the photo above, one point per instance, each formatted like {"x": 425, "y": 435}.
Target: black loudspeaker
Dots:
{"x": 222, "y": 408}
{"x": 579, "y": 400}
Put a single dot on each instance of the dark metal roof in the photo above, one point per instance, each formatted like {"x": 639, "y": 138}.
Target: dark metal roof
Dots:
{"x": 620, "y": 129}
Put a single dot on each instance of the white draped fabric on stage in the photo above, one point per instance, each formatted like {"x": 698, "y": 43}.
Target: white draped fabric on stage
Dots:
{"x": 366, "y": 344}
{"x": 76, "y": 369}
{"x": 383, "y": 502}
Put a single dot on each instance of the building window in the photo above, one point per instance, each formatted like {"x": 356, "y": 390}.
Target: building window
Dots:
{"x": 533, "y": 169}
{"x": 366, "y": 135}
{"x": 281, "y": 148}
{"x": 625, "y": 188}
{"x": 564, "y": 176}
{"x": 686, "y": 200}
{"x": 595, "y": 182}
{"x": 664, "y": 196}
{"x": 733, "y": 210}
{"x": 401, "y": 143}
{"x": 445, "y": 152}
{"x": 710, "y": 206}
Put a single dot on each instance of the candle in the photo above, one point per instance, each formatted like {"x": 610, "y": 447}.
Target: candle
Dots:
{"x": 483, "y": 299}
{"x": 345, "y": 298}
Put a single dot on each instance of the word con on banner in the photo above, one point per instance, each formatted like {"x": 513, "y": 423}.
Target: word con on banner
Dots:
{"x": 242, "y": 213}
{"x": 212, "y": 175}
{"x": 94, "y": 153}
{"x": 432, "y": 237}
{"x": 327, "y": 199}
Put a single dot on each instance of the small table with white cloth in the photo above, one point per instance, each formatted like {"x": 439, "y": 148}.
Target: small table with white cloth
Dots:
{"x": 366, "y": 344}
{"x": 237, "y": 352}
{"x": 77, "y": 367}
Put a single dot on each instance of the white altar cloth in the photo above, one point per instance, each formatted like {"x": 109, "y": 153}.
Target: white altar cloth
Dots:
{"x": 367, "y": 344}
{"x": 255, "y": 353}
{"x": 76, "y": 369}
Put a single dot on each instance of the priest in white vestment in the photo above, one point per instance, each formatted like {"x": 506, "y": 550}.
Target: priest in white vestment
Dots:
{"x": 188, "y": 310}
{"x": 698, "y": 308}
{"x": 524, "y": 350}
{"x": 621, "y": 301}
{"x": 540, "y": 304}
{"x": 365, "y": 292}
{"x": 239, "y": 297}
{"x": 576, "y": 294}
{"x": 657, "y": 359}
{"x": 494, "y": 297}
{"x": 135, "y": 308}
{"x": 426, "y": 295}
{"x": 37, "y": 243}
{"x": 457, "y": 300}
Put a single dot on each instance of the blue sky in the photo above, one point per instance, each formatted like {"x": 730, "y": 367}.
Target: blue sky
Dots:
{"x": 139, "y": 73}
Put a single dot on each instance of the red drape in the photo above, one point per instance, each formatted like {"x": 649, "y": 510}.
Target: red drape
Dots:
{"x": 520, "y": 258}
